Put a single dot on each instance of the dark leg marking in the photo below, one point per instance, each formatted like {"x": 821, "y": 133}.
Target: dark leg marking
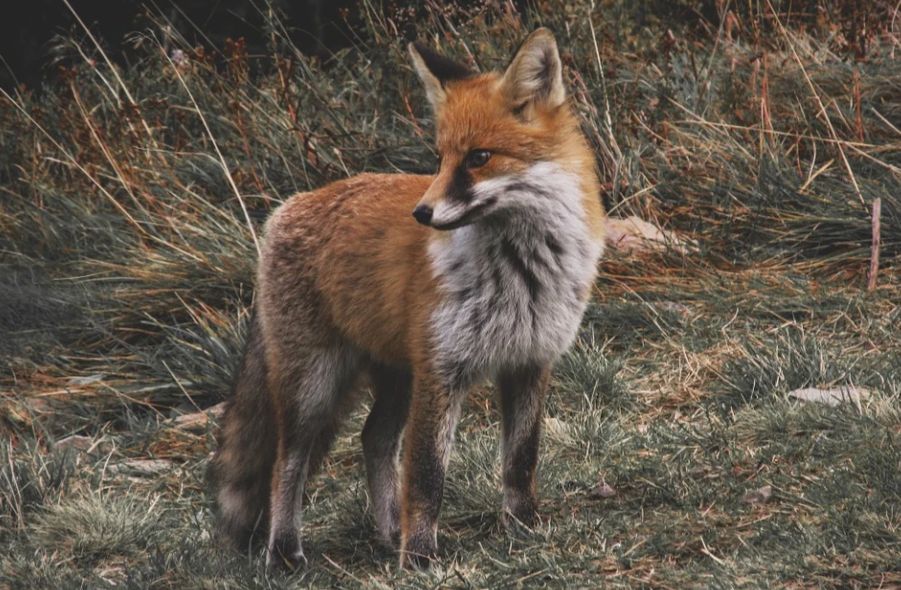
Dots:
{"x": 522, "y": 401}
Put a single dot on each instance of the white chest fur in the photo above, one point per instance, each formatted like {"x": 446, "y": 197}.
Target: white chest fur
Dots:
{"x": 514, "y": 284}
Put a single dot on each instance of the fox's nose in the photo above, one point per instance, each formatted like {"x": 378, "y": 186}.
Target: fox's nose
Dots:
{"x": 423, "y": 214}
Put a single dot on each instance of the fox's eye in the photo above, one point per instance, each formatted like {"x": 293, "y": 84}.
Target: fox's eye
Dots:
{"x": 477, "y": 158}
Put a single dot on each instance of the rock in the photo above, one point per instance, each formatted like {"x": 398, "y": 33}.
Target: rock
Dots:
{"x": 602, "y": 490}
{"x": 633, "y": 234}
{"x": 758, "y": 496}
{"x": 831, "y": 397}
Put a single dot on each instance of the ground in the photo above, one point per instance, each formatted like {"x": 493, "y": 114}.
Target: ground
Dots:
{"x": 673, "y": 455}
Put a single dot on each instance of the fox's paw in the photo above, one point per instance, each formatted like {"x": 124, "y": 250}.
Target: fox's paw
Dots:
{"x": 285, "y": 552}
{"x": 418, "y": 552}
{"x": 521, "y": 516}
{"x": 394, "y": 538}
{"x": 389, "y": 528}
{"x": 390, "y": 538}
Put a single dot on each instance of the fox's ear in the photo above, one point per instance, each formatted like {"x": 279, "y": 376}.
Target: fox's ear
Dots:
{"x": 535, "y": 74}
{"x": 436, "y": 71}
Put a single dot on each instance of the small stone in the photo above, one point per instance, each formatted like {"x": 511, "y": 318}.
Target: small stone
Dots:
{"x": 759, "y": 496}
{"x": 831, "y": 397}
{"x": 602, "y": 490}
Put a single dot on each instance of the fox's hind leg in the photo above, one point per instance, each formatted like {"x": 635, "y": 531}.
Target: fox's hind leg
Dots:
{"x": 310, "y": 396}
{"x": 381, "y": 441}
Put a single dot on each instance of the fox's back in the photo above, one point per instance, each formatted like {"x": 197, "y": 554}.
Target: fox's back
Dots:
{"x": 350, "y": 255}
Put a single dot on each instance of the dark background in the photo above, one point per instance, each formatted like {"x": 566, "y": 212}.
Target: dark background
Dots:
{"x": 28, "y": 27}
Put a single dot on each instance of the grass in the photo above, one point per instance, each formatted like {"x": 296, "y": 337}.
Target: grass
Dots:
{"x": 673, "y": 456}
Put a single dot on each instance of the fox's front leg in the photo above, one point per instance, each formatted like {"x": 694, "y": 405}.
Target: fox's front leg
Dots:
{"x": 381, "y": 441}
{"x": 434, "y": 412}
{"x": 522, "y": 394}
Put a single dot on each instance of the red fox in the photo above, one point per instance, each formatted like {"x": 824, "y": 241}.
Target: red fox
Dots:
{"x": 488, "y": 280}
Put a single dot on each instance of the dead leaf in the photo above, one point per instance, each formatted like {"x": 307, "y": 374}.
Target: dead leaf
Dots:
{"x": 197, "y": 421}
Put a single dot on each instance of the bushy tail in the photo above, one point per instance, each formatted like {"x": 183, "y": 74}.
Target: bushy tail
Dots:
{"x": 242, "y": 466}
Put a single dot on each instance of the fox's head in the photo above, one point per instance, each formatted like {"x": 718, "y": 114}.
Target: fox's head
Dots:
{"x": 495, "y": 131}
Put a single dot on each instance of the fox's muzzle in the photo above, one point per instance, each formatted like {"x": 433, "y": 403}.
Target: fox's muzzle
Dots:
{"x": 423, "y": 214}
{"x": 425, "y": 208}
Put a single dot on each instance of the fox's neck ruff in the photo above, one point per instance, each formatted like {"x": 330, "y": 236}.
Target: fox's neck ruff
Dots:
{"x": 514, "y": 284}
